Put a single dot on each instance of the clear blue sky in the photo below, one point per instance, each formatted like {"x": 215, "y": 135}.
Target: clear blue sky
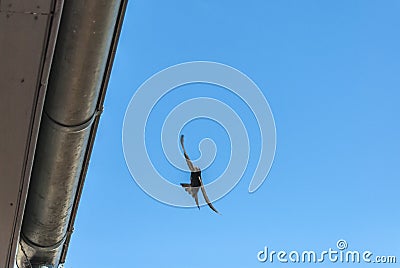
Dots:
{"x": 330, "y": 72}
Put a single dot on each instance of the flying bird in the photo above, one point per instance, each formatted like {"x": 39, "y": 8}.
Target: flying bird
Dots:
{"x": 195, "y": 181}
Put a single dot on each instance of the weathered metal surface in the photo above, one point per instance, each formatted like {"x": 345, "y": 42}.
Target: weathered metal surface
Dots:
{"x": 80, "y": 60}
{"x": 60, "y": 153}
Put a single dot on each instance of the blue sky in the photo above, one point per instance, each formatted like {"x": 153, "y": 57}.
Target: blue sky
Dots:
{"x": 330, "y": 73}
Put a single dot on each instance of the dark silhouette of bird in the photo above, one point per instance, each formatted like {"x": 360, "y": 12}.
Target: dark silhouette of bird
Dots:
{"x": 196, "y": 182}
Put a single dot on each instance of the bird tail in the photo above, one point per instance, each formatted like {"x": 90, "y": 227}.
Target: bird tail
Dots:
{"x": 192, "y": 191}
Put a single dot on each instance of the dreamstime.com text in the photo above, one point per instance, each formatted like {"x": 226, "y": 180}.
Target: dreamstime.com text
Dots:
{"x": 341, "y": 255}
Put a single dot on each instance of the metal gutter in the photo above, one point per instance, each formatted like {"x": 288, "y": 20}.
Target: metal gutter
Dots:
{"x": 84, "y": 53}
{"x": 100, "y": 103}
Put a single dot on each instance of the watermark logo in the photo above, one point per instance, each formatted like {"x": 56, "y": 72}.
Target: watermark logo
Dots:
{"x": 341, "y": 244}
{"x": 339, "y": 255}
{"x": 144, "y": 170}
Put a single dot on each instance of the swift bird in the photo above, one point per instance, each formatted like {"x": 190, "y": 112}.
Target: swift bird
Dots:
{"x": 195, "y": 181}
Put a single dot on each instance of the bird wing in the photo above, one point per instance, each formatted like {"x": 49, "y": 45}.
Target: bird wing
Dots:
{"x": 203, "y": 190}
{"x": 188, "y": 162}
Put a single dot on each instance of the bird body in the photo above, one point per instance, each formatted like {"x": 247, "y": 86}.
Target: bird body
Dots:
{"x": 196, "y": 182}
